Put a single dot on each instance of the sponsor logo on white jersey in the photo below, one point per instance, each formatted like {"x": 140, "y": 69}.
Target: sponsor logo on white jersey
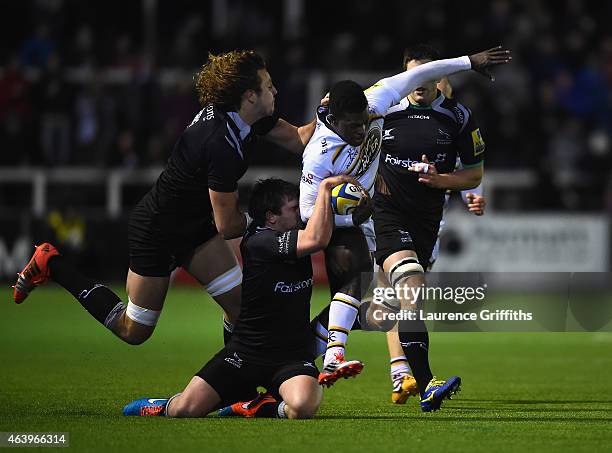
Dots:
{"x": 308, "y": 178}
{"x": 323, "y": 145}
{"x": 369, "y": 150}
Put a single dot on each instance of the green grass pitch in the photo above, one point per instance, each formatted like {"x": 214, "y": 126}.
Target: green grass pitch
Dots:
{"x": 61, "y": 371}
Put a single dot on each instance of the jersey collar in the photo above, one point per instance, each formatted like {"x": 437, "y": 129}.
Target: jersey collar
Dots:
{"x": 436, "y": 102}
{"x": 243, "y": 127}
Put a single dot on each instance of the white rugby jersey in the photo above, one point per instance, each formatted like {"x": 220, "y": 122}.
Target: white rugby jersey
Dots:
{"x": 327, "y": 154}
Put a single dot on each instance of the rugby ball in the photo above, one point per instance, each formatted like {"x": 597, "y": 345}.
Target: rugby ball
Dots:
{"x": 345, "y": 198}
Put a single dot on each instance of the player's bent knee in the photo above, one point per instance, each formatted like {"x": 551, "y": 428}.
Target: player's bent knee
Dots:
{"x": 133, "y": 333}
{"x": 302, "y": 410}
{"x": 302, "y": 414}
{"x": 139, "y": 325}
{"x": 141, "y": 315}
{"x": 136, "y": 338}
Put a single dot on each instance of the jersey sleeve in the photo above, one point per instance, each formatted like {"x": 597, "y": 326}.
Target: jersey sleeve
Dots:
{"x": 405, "y": 82}
{"x": 274, "y": 246}
{"x": 471, "y": 146}
{"x": 222, "y": 166}
{"x": 380, "y": 98}
{"x": 264, "y": 125}
{"x": 315, "y": 168}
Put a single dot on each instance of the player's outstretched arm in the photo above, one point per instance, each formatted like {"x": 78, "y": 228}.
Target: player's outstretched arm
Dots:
{"x": 320, "y": 226}
{"x": 230, "y": 222}
{"x": 407, "y": 81}
{"x": 482, "y": 62}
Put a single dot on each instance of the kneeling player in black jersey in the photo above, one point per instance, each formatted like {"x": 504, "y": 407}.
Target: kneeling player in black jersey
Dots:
{"x": 276, "y": 292}
{"x": 184, "y": 219}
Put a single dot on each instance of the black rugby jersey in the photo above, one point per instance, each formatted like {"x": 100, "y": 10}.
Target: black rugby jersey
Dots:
{"x": 274, "y": 321}
{"x": 442, "y": 131}
{"x": 210, "y": 153}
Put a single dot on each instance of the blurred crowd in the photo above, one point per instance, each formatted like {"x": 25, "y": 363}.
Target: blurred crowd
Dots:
{"x": 108, "y": 84}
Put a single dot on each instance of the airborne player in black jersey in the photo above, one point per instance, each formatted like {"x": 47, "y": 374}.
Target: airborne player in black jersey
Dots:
{"x": 192, "y": 208}
{"x": 272, "y": 344}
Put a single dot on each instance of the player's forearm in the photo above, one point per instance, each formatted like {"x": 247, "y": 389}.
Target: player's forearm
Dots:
{"x": 476, "y": 191}
{"x": 406, "y": 82}
{"x": 321, "y": 223}
{"x": 230, "y": 222}
{"x": 233, "y": 227}
{"x": 305, "y": 132}
{"x": 291, "y": 137}
{"x": 461, "y": 179}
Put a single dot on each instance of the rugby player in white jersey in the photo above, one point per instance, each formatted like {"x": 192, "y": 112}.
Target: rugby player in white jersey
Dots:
{"x": 347, "y": 140}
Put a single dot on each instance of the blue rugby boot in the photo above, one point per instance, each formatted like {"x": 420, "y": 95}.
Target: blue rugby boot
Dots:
{"x": 147, "y": 407}
{"x": 437, "y": 390}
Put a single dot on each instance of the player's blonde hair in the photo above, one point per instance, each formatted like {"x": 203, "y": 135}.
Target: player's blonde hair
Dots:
{"x": 225, "y": 77}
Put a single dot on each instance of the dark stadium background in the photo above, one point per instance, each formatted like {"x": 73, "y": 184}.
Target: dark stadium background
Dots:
{"x": 94, "y": 94}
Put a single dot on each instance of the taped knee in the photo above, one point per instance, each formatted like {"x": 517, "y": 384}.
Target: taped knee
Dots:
{"x": 141, "y": 315}
{"x": 404, "y": 268}
{"x": 225, "y": 282}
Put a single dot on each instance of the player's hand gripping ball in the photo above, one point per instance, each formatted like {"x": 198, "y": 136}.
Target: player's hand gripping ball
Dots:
{"x": 345, "y": 198}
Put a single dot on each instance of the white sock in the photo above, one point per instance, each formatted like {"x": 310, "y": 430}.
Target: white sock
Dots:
{"x": 168, "y": 403}
{"x": 399, "y": 367}
{"x": 281, "y": 410}
{"x": 342, "y": 314}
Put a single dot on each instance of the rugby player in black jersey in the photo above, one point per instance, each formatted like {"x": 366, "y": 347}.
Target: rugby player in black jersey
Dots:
{"x": 272, "y": 343}
{"x": 423, "y": 136}
{"x": 184, "y": 219}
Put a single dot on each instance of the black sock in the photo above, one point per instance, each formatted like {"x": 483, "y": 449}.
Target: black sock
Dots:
{"x": 270, "y": 410}
{"x": 228, "y": 328}
{"x": 415, "y": 343}
{"x": 97, "y": 299}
